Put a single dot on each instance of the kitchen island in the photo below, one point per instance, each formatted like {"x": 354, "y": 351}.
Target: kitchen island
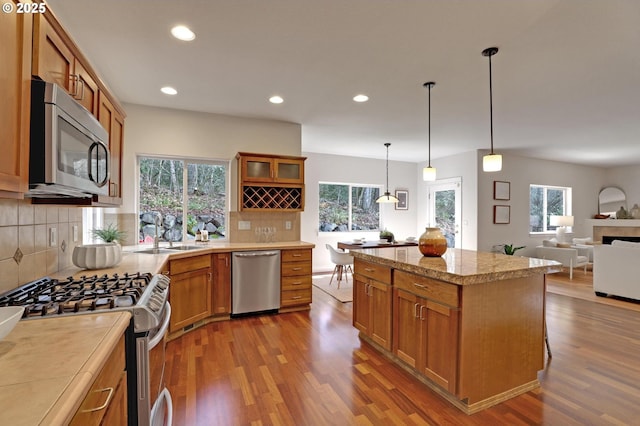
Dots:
{"x": 470, "y": 325}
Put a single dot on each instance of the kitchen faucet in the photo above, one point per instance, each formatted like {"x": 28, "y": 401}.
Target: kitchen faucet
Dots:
{"x": 158, "y": 221}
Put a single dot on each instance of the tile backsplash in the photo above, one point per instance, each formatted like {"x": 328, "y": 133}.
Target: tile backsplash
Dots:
{"x": 26, "y": 250}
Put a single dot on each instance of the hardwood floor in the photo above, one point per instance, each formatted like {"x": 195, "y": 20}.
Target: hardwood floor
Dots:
{"x": 310, "y": 368}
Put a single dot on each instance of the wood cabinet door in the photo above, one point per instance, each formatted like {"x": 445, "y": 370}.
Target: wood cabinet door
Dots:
{"x": 407, "y": 327}
{"x": 361, "y": 304}
{"x": 15, "y": 93}
{"x": 52, "y": 58}
{"x": 380, "y": 315}
{"x": 257, "y": 169}
{"x": 190, "y": 298}
{"x": 86, "y": 89}
{"x": 113, "y": 123}
{"x": 116, "y": 413}
{"x": 288, "y": 170}
{"x": 440, "y": 350}
{"x": 221, "y": 292}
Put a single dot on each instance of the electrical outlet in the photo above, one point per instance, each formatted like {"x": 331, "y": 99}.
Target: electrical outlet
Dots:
{"x": 53, "y": 237}
{"x": 75, "y": 233}
{"x": 287, "y": 224}
{"x": 244, "y": 225}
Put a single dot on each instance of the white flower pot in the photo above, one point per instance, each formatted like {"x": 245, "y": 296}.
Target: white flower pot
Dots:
{"x": 97, "y": 256}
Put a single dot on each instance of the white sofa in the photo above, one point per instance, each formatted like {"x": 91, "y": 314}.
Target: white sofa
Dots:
{"x": 570, "y": 257}
{"x": 616, "y": 269}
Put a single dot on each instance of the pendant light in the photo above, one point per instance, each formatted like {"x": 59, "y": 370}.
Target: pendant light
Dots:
{"x": 429, "y": 173}
{"x": 491, "y": 162}
{"x": 387, "y": 197}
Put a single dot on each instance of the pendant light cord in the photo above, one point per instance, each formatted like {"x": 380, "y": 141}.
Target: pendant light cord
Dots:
{"x": 491, "y": 103}
{"x": 387, "y": 145}
{"x": 429, "y": 133}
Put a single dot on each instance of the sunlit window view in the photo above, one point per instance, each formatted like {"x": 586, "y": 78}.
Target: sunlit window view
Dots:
{"x": 178, "y": 198}
{"x": 348, "y": 208}
{"x": 545, "y": 201}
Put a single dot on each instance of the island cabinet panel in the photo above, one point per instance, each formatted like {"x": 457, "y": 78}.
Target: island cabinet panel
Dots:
{"x": 372, "y": 302}
{"x": 426, "y": 334}
{"x": 295, "y": 279}
{"x": 106, "y": 401}
{"x": 190, "y": 290}
{"x": 221, "y": 291}
{"x": 15, "y": 92}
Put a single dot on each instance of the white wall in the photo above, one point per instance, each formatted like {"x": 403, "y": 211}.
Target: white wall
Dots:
{"x": 163, "y": 131}
{"x": 585, "y": 182}
{"x": 464, "y": 166}
{"x": 354, "y": 170}
{"x": 628, "y": 179}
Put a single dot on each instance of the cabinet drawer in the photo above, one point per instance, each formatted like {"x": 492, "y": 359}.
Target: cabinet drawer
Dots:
{"x": 296, "y": 282}
{"x": 427, "y": 287}
{"x": 295, "y": 297}
{"x": 97, "y": 401}
{"x": 188, "y": 264}
{"x": 290, "y": 269}
{"x": 296, "y": 255}
{"x": 373, "y": 270}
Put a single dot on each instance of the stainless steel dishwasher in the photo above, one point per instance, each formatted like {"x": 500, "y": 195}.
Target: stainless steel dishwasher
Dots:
{"x": 255, "y": 282}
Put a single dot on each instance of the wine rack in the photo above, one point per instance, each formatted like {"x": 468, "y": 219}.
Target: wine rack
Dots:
{"x": 270, "y": 197}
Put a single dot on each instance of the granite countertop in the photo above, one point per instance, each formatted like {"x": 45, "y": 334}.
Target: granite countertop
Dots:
{"x": 47, "y": 366}
{"x": 457, "y": 266}
{"x": 144, "y": 262}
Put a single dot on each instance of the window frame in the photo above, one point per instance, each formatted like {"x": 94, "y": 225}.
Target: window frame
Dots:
{"x": 350, "y": 211}
{"x": 567, "y": 207}
{"x": 185, "y": 199}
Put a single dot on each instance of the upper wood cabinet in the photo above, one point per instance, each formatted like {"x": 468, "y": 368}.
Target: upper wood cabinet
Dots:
{"x": 270, "y": 182}
{"x": 263, "y": 168}
{"x": 15, "y": 92}
{"x": 113, "y": 123}
{"x": 54, "y": 57}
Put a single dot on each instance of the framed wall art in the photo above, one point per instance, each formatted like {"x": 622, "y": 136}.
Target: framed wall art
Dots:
{"x": 501, "y": 190}
{"x": 403, "y": 199}
{"x": 501, "y": 214}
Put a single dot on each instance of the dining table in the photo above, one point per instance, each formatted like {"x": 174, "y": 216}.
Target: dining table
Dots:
{"x": 351, "y": 245}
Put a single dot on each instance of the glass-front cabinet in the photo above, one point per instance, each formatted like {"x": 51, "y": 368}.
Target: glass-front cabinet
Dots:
{"x": 272, "y": 169}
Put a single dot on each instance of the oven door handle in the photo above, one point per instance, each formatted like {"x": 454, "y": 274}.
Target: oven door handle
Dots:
{"x": 163, "y": 328}
{"x": 155, "y": 421}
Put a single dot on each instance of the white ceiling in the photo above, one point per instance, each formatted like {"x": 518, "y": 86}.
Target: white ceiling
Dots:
{"x": 566, "y": 81}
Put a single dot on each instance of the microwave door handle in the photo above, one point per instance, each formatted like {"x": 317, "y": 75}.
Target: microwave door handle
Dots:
{"x": 92, "y": 148}
{"x": 95, "y": 147}
{"x": 107, "y": 160}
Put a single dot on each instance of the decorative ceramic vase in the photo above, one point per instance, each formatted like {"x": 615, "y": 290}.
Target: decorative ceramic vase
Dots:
{"x": 635, "y": 212}
{"x": 432, "y": 243}
{"x": 97, "y": 256}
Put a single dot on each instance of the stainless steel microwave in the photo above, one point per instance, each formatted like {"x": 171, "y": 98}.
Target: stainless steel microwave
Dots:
{"x": 69, "y": 154}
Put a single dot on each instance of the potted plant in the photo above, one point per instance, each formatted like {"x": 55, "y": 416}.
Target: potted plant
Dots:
{"x": 99, "y": 256}
{"x": 510, "y": 249}
{"x": 386, "y": 235}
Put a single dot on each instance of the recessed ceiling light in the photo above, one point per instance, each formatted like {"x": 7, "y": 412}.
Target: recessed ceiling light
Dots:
{"x": 361, "y": 98}
{"x": 182, "y": 33}
{"x": 276, "y": 99}
{"x": 169, "y": 90}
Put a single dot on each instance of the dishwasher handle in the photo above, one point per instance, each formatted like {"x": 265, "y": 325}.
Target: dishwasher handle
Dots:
{"x": 256, "y": 254}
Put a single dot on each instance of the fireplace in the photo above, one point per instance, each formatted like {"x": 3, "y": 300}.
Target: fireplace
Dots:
{"x": 606, "y": 239}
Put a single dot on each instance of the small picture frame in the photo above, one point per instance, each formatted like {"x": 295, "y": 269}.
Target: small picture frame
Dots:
{"x": 501, "y": 190}
{"x": 501, "y": 214}
{"x": 403, "y": 199}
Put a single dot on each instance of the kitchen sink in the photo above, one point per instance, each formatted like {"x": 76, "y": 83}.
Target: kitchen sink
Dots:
{"x": 183, "y": 248}
{"x": 153, "y": 250}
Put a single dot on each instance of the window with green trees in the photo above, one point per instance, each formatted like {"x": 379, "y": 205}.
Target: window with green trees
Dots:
{"x": 545, "y": 201}
{"x": 344, "y": 207}
{"x": 186, "y": 195}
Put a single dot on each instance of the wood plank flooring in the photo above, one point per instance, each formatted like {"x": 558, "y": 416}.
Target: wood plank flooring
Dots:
{"x": 310, "y": 368}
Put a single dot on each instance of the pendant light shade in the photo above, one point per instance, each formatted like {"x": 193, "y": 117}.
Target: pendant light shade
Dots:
{"x": 429, "y": 173}
{"x": 491, "y": 162}
{"x": 387, "y": 197}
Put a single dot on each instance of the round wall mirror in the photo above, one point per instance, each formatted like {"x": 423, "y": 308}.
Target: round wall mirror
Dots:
{"x": 611, "y": 199}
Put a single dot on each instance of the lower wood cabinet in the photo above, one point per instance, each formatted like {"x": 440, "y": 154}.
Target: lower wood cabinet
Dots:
{"x": 295, "y": 275}
{"x": 106, "y": 402}
{"x": 221, "y": 291}
{"x": 190, "y": 290}
{"x": 372, "y": 302}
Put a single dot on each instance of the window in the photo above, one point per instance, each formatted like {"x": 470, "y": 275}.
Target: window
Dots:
{"x": 188, "y": 195}
{"x": 345, "y": 207}
{"x": 545, "y": 201}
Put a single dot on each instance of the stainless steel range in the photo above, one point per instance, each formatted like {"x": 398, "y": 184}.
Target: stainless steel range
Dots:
{"x": 145, "y": 296}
